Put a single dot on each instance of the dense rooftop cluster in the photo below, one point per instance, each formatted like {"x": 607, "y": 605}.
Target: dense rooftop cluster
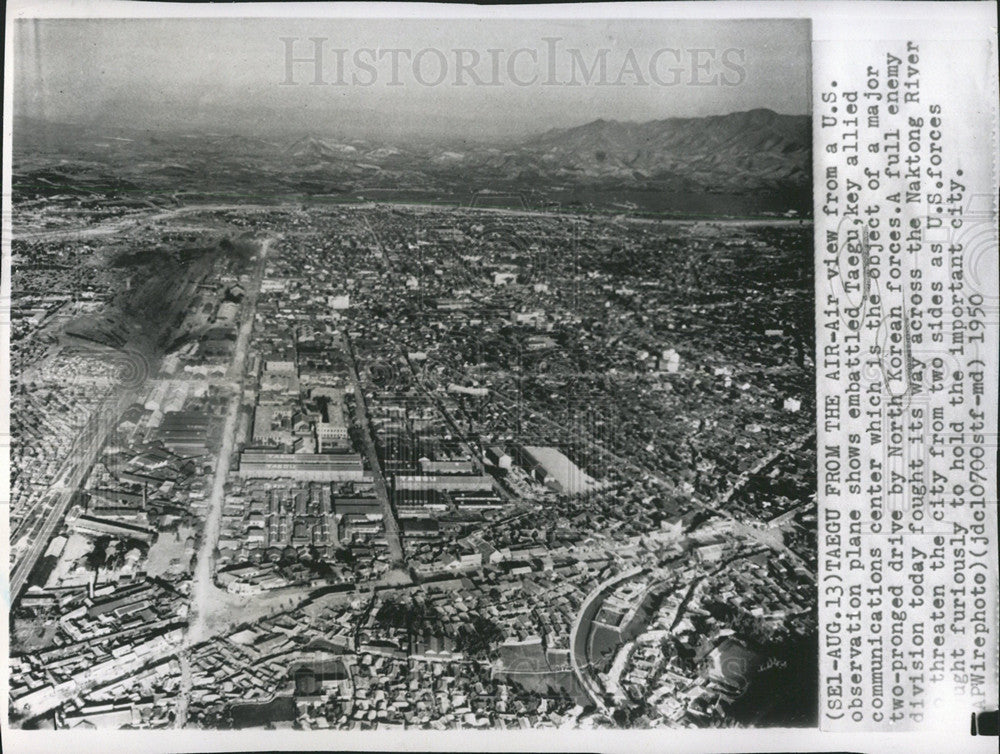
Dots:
{"x": 446, "y": 469}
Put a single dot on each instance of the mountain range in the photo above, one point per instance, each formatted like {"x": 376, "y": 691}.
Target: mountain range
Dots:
{"x": 744, "y": 151}
{"x": 758, "y": 152}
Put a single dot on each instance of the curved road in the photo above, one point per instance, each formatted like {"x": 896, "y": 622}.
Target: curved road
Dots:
{"x": 575, "y": 636}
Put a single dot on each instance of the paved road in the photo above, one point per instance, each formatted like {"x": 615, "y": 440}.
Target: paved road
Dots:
{"x": 202, "y": 583}
{"x": 393, "y": 536}
{"x": 184, "y": 696}
{"x": 580, "y": 658}
{"x": 578, "y": 655}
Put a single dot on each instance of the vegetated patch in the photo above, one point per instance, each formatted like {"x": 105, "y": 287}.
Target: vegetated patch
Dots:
{"x": 279, "y": 709}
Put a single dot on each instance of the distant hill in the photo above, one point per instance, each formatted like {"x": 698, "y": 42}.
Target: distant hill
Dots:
{"x": 746, "y": 151}
{"x": 311, "y": 149}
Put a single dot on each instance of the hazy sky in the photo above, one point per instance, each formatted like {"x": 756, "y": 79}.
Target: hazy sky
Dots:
{"x": 397, "y": 78}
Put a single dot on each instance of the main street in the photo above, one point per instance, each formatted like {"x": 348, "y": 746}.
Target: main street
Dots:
{"x": 393, "y": 536}
{"x": 202, "y": 584}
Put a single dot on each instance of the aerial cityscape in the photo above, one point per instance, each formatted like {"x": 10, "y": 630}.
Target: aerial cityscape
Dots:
{"x": 319, "y": 431}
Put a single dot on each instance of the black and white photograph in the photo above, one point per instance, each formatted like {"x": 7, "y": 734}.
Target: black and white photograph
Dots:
{"x": 414, "y": 374}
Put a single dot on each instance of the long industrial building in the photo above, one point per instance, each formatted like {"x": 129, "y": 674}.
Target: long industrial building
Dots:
{"x": 311, "y": 467}
{"x": 441, "y": 482}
